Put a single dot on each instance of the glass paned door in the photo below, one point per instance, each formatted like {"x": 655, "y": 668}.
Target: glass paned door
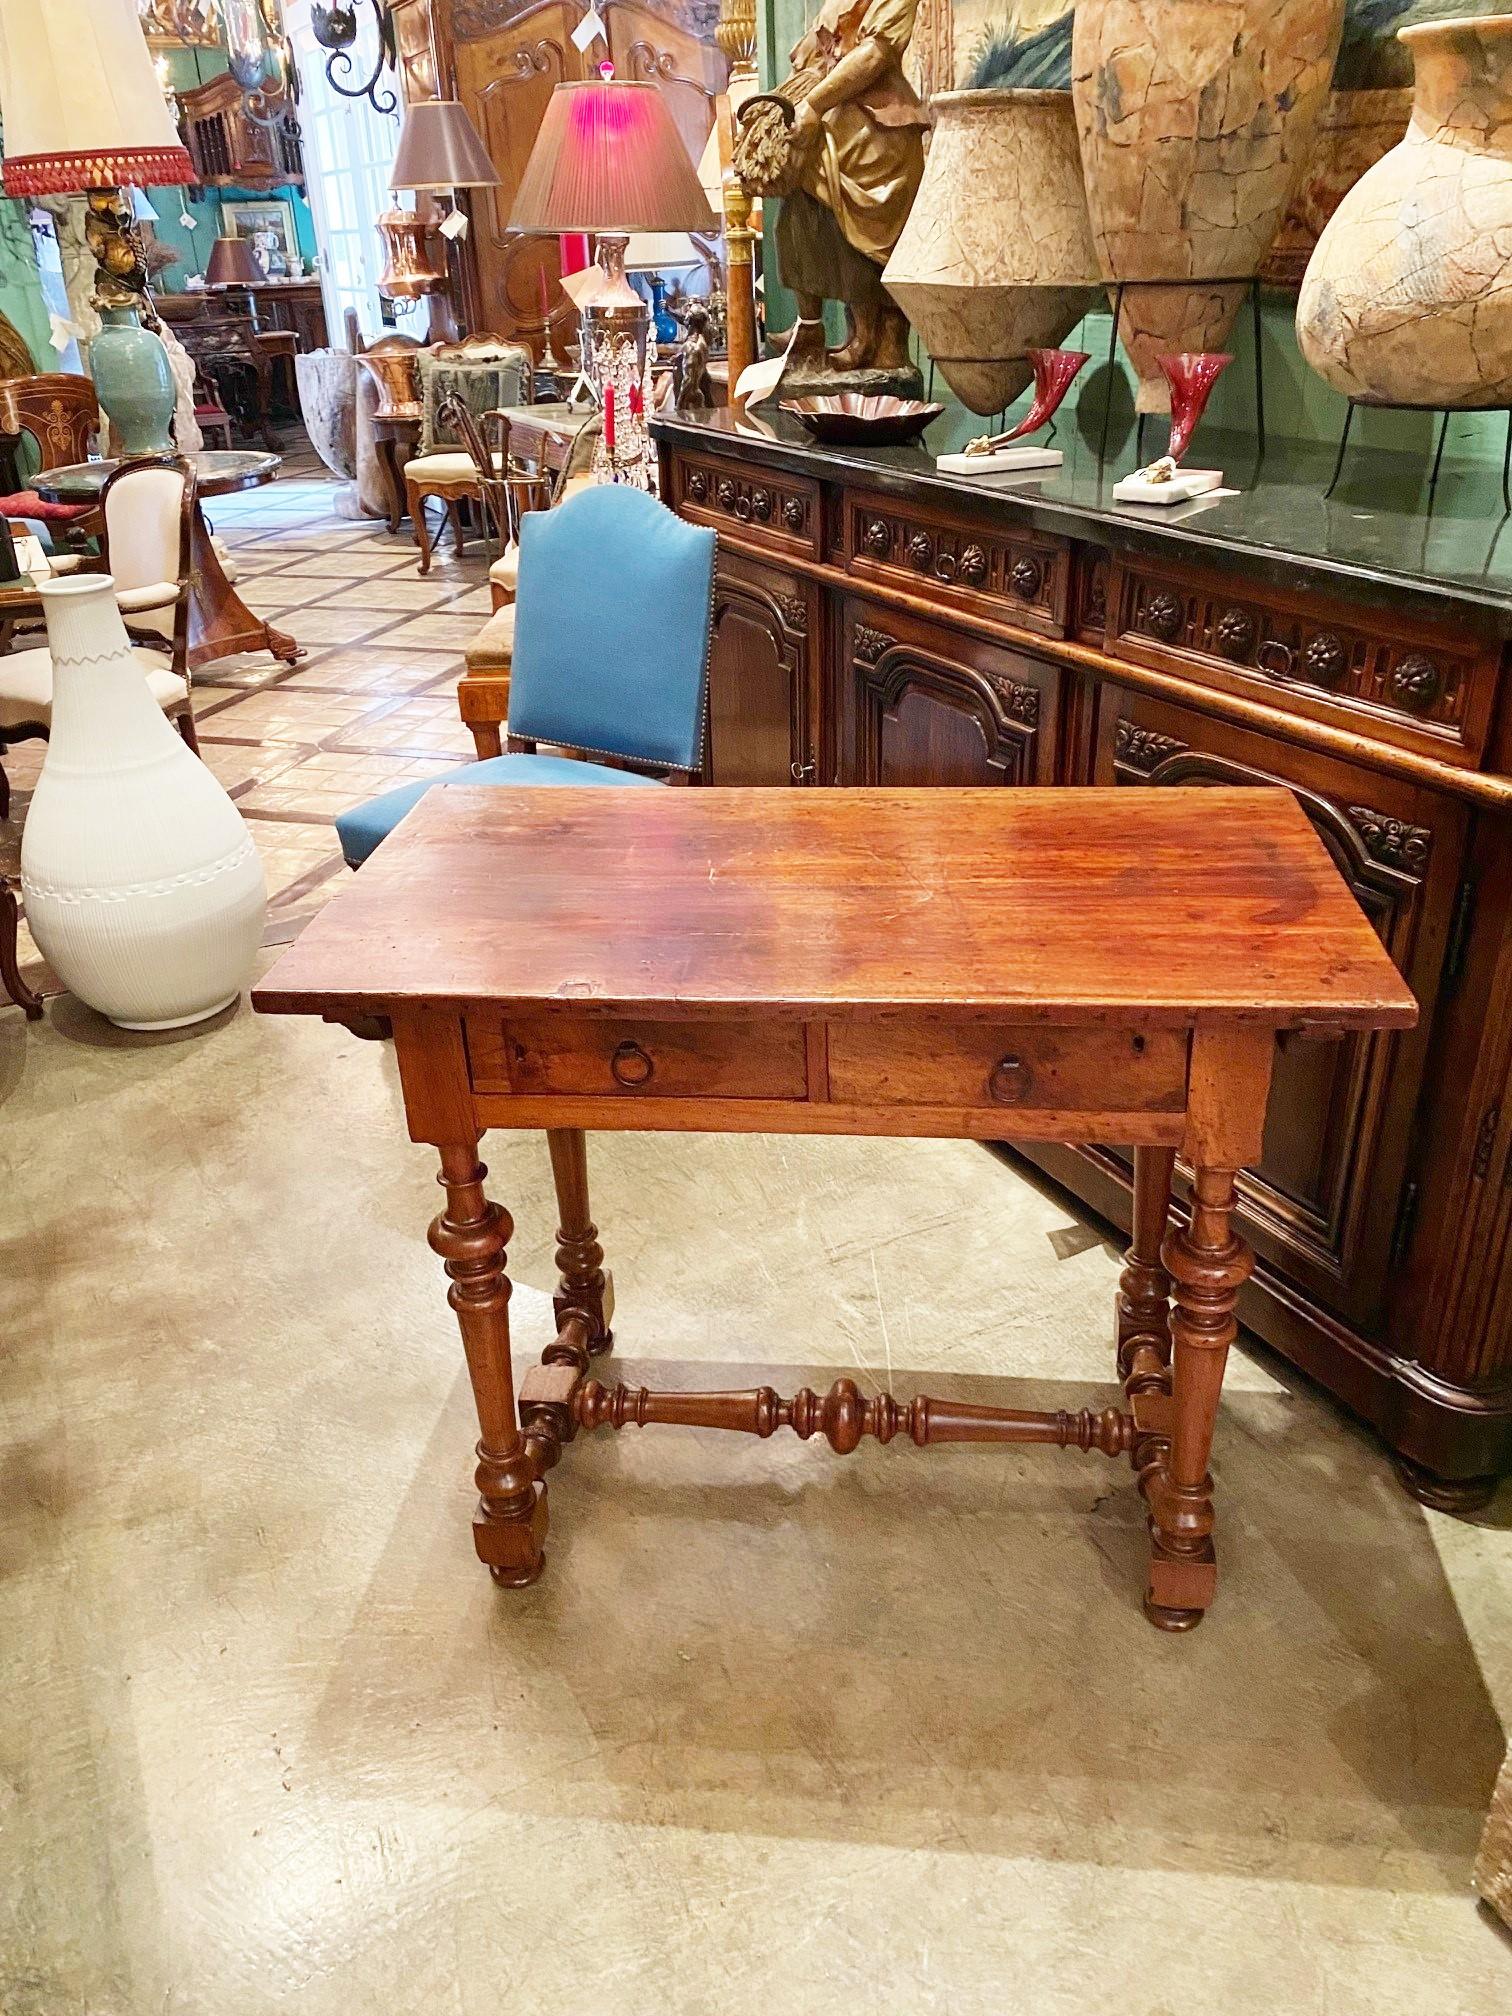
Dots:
{"x": 349, "y": 155}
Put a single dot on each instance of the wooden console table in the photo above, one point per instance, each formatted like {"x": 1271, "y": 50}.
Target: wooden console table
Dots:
{"x": 879, "y": 622}
{"x": 1096, "y": 965}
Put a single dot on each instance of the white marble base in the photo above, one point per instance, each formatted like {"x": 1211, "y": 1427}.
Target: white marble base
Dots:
{"x": 1182, "y": 488}
{"x": 1002, "y": 462}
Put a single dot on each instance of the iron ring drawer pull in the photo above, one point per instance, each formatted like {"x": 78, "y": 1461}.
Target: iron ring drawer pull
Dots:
{"x": 1008, "y": 1081}
{"x": 1275, "y": 658}
{"x": 631, "y": 1067}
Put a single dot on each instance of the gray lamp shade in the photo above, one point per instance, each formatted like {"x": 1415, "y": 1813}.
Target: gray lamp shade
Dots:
{"x": 440, "y": 148}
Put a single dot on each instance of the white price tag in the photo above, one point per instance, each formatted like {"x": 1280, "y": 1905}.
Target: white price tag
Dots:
{"x": 590, "y": 29}
{"x": 454, "y": 225}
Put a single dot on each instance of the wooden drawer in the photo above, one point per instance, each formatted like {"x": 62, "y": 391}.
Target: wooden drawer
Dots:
{"x": 614, "y": 1058}
{"x": 1018, "y": 577}
{"x": 769, "y": 509}
{"x": 1415, "y": 686}
{"x": 1057, "y": 1070}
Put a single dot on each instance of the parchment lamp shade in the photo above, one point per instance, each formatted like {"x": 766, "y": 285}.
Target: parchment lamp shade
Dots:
{"x": 232, "y": 263}
{"x": 608, "y": 158}
{"x": 81, "y": 102}
{"x": 440, "y": 148}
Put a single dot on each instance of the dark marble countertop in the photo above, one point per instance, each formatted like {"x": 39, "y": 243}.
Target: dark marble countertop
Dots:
{"x": 1375, "y": 540}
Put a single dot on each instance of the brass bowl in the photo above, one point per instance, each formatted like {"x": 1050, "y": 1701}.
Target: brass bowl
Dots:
{"x": 861, "y": 419}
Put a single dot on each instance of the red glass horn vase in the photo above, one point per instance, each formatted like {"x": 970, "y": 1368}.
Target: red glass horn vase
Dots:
{"x": 1191, "y": 377}
{"x": 1054, "y": 374}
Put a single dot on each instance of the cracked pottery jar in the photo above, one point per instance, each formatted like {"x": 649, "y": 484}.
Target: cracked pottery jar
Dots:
{"x": 996, "y": 258}
{"x": 142, "y": 886}
{"x": 1408, "y": 298}
{"x": 1196, "y": 120}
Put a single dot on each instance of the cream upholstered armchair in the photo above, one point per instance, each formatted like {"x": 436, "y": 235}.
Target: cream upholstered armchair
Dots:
{"x": 147, "y": 510}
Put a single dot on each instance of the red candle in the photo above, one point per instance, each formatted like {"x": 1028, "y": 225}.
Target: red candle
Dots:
{"x": 545, "y": 297}
{"x": 637, "y": 404}
{"x": 609, "y": 418}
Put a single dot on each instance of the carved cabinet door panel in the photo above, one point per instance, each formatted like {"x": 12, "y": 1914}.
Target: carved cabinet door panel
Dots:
{"x": 762, "y": 724}
{"x": 648, "y": 47}
{"x": 1329, "y": 1203}
{"x": 508, "y": 63}
{"x": 928, "y": 706}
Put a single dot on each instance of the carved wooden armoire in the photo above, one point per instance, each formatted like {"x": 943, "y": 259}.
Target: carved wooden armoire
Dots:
{"x": 503, "y": 58}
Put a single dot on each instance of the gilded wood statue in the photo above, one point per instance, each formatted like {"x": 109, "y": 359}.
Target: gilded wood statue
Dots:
{"x": 841, "y": 142}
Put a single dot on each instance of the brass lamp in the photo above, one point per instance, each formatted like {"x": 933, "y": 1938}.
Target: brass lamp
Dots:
{"x": 439, "y": 150}
{"x": 84, "y": 112}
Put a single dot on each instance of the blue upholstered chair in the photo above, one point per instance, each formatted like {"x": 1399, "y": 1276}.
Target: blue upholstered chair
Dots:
{"x": 611, "y": 655}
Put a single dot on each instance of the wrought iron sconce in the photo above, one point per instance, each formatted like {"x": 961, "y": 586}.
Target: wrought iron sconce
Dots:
{"x": 334, "y": 23}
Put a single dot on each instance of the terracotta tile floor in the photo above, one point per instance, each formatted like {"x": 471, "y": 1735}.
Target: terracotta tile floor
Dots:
{"x": 373, "y": 704}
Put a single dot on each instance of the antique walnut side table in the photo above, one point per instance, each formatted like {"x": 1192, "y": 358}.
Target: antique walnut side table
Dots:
{"x": 1036, "y": 965}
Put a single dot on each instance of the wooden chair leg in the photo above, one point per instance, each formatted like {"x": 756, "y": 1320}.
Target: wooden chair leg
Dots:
{"x": 415, "y": 503}
{"x": 487, "y": 739}
{"x": 454, "y": 512}
{"x": 10, "y": 965}
{"x": 4, "y": 786}
{"x": 187, "y": 729}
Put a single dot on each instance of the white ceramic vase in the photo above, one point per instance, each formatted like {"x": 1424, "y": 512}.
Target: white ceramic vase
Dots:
{"x": 141, "y": 883}
{"x": 997, "y": 256}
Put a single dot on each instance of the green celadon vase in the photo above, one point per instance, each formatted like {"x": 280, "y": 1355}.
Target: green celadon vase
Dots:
{"x": 134, "y": 383}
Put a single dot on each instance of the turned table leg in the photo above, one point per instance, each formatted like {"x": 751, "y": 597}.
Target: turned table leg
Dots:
{"x": 471, "y": 1235}
{"x": 1143, "y": 1308}
{"x": 1209, "y": 1263}
{"x": 584, "y": 1288}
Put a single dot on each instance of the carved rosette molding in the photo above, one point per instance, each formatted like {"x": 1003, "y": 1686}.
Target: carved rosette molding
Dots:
{"x": 759, "y": 503}
{"x": 794, "y": 610}
{"x": 1014, "y": 573}
{"x": 1392, "y": 841}
{"x": 1345, "y": 665}
{"x": 870, "y": 644}
{"x": 1141, "y": 748}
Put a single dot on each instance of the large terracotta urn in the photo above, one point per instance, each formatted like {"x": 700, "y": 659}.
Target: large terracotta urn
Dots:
{"x": 1196, "y": 120}
{"x": 1408, "y": 298}
{"x": 996, "y": 258}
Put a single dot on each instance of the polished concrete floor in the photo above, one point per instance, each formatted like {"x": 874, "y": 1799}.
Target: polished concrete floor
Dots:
{"x": 776, "y": 1733}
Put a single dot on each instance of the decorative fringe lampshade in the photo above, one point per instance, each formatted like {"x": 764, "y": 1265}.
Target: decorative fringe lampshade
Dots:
{"x": 81, "y": 102}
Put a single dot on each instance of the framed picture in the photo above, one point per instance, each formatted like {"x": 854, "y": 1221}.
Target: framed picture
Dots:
{"x": 269, "y": 223}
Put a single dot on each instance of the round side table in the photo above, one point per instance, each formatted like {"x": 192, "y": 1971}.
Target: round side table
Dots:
{"x": 220, "y": 623}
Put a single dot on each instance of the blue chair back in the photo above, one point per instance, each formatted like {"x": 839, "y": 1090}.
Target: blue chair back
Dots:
{"x": 612, "y": 623}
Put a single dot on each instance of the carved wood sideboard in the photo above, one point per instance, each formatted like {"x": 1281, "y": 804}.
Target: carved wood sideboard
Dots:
{"x": 876, "y": 623}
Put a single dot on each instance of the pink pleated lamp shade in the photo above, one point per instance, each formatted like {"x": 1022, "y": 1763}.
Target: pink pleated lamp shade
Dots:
{"x": 608, "y": 158}
{"x": 82, "y": 105}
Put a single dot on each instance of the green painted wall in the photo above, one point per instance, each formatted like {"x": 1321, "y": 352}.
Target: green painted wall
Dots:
{"x": 1299, "y": 406}
{"x": 21, "y": 299}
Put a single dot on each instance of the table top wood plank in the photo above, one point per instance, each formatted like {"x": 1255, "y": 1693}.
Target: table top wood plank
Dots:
{"x": 1165, "y": 907}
